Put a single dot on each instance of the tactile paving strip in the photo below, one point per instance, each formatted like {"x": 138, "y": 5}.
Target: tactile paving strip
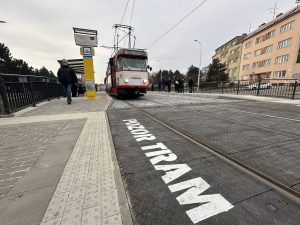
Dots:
{"x": 87, "y": 193}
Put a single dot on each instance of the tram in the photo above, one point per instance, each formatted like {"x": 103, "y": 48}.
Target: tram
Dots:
{"x": 127, "y": 70}
{"x": 127, "y": 73}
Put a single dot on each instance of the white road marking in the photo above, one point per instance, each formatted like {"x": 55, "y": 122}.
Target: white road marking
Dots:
{"x": 210, "y": 205}
{"x": 260, "y": 114}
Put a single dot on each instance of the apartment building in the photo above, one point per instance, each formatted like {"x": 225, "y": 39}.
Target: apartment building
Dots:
{"x": 230, "y": 55}
{"x": 272, "y": 51}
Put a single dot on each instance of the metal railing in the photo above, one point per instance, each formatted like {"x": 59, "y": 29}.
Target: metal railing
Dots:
{"x": 20, "y": 91}
{"x": 284, "y": 88}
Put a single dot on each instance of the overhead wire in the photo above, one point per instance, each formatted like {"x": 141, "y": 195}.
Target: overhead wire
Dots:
{"x": 180, "y": 21}
{"x": 132, "y": 12}
{"x": 124, "y": 11}
{"x": 117, "y": 35}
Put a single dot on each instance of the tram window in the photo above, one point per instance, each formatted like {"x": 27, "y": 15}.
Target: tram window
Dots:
{"x": 132, "y": 64}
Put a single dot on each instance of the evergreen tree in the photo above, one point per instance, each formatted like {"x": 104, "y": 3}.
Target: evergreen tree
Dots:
{"x": 193, "y": 72}
{"x": 44, "y": 72}
{"x": 10, "y": 65}
{"x": 217, "y": 72}
{"x": 166, "y": 75}
{"x": 5, "y": 58}
{"x": 178, "y": 75}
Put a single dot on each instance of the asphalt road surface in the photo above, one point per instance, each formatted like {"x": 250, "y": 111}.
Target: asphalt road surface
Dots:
{"x": 170, "y": 180}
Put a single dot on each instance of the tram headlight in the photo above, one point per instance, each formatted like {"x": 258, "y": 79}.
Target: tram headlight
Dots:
{"x": 145, "y": 81}
{"x": 126, "y": 81}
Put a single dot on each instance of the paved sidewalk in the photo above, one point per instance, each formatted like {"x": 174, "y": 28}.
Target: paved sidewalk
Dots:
{"x": 69, "y": 174}
{"x": 245, "y": 97}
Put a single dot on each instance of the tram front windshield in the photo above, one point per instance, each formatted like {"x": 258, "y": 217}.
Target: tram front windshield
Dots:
{"x": 132, "y": 64}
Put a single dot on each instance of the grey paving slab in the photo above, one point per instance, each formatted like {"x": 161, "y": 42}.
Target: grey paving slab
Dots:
{"x": 281, "y": 161}
{"x": 297, "y": 187}
{"x": 36, "y": 186}
{"x": 79, "y": 105}
{"x": 21, "y": 147}
{"x": 26, "y": 208}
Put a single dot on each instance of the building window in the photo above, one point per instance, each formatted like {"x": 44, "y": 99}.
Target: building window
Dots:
{"x": 282, "y": 59}
{"x": 248, "y": 44}
{"x": 271, "y": 34}
{"x": 246, "y": 67}
{"x": 257, "y": 52}
{"x": 280, "y": 73}
{"x": 259, "y": 40}
{"x": 285, "y": 43}
{"x": 268, "y": 49}
{"x": 247, "y": 56}
{"x": 287, "y": 27}
{"x": 266, "y": 62}
{"x": 255, "y": 65}
{"x": 234, "y": 70}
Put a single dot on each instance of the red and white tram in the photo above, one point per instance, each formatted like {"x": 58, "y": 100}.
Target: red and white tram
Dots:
{"x": 127, "y": 73}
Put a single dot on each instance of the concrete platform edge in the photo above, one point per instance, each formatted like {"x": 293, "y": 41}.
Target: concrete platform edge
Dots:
{"x": 123, "y": 201}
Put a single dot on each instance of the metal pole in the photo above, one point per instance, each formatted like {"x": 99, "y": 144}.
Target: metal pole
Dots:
{"x": 294, "y": 91}
{"x": 32, "y": 95}
{"x": 257, "y": 94}
{"x": 198, "y": 83}
{"x": 129, "y": 42}
{"x": 47, "y": 88}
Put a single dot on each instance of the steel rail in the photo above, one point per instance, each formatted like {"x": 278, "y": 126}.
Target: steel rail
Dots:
{"x": 269, "y": 181}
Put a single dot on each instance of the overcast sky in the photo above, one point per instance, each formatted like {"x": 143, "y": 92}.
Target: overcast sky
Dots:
{"x": 40, "y": 32}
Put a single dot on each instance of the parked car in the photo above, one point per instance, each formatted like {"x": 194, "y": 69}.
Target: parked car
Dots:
{"x": 262, "y": 86}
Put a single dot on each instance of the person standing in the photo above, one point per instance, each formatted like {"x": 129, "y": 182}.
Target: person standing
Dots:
{"x": 169, "y": 85}
{"x": 191, "y": 85}
{"x": 66, "y": 76}
{"x": 176, "y": 83}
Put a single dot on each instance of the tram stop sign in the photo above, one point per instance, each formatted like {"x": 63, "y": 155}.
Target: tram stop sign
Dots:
{"x": 85, "y": 37}
{"x": 87, "y": 51}
{"x": 87, "y": 40}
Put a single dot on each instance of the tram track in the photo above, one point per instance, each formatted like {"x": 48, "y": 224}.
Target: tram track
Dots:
{"x": 285, "y": 133}
{"x": 263, "y": 177}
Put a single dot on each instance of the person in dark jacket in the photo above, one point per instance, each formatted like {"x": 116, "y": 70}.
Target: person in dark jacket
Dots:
{"x": 66, "y": 76}
{"x": 191, "y": 85}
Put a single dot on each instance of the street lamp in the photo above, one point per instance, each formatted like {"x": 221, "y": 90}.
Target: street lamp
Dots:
{"x": 199, "y": 64}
